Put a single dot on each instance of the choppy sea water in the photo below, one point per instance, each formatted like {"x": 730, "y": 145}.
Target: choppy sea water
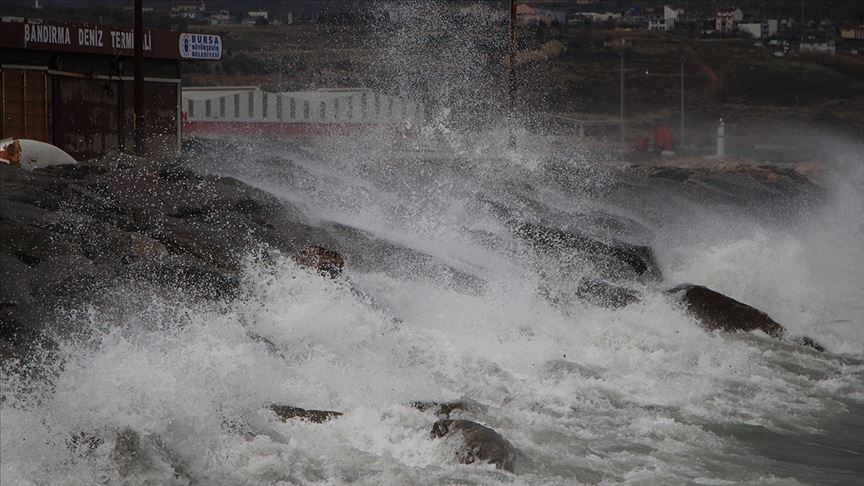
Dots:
{"x": 589, "y": 395}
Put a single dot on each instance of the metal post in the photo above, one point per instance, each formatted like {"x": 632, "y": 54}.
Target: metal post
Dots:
{"x": 681, "y": 135}
{"x": 621, "y": 121}
{"x": 24, "y": 100}
{"x": 511, "y": 79}
{"x": 138, "y": 119}
{"x": 721, "y": 140}
{"x": 802, "y": 14}
{"x": 121, "y": 110}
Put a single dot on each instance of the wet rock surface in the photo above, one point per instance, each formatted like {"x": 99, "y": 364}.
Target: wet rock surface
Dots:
{"x": 614, "y": 258}
{"x": 477, "y": 443}
{"x": 287, "y": 412}
{"x": 716, "y": 311}
{"x": 68, "y": 234}
{"x": 324, "y": 261}
{"x": 605, "y": 294}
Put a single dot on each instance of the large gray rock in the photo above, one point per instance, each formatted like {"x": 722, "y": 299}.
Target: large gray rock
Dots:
{"x": 69, "y": 233}
{"x": 609, "y": 257}
{"x": 477, "y": 443}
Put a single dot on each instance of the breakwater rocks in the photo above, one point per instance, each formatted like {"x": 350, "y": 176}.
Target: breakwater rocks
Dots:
{"x": 71, "y": 232}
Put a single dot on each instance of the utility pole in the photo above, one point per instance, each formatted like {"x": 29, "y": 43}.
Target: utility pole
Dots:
{"x": 621, "y": 121}
{"x": 681, "y": 135}
{"x": 511, "y": 79}
{"x": 138, "y": 117}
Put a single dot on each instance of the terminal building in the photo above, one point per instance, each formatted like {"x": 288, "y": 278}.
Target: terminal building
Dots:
{"x": 71, "y": 85}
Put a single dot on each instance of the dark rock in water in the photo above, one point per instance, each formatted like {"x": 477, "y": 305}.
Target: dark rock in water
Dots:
{"x": 441, "y": 409}
{"x": 809, "y": 342}
{"x": 614, "y": 257}
{"x": 479, "y": 443}
{"x": 286, "y": 413}
{"x": 560, "y": 368}
{"x": 270, "y": 345}
{"x": 604, "y": 294}
{"x": 445, "y": 409}
{"x": 676, "y": 174}
{"x": 716, "y": 311}
{"x": 83, "y": 443}
{"x": 324, "y": 261}
{"x": 140, "y": 456}
{"x": 366, "y": 252}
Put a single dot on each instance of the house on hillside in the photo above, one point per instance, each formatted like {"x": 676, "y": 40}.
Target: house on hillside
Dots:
{"x": 673, "y": 12}
{"x": 221, "y": 17}
{"x": 759, "y": 30}
{"x": 665, "y": 22}
{"x": 650, "y": 18}
{"x": 855, "y": 32}
{"x": 725, "y": 20}
{"x": 557, "y": 16}
{"x": 659, "y": 24}
{"x": 526, "y": 14}
{"x": 188, "y": 9}
{"x": 524, "y": 9}
{"x": 592, "y": 17}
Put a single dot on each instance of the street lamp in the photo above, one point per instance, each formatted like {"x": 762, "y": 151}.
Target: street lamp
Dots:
{"x": 511, "y": 75}
{"x": 621, "y": 120}
{"x": 138, "y": 90}
{"x": 681, "y": 135}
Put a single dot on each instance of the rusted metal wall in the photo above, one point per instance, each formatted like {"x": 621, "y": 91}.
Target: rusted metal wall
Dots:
{"x": 86, "y": 115}
{"x": 26, "y": 102}
{"x": 95, "y": 117}
{"x": 86, "y": 122}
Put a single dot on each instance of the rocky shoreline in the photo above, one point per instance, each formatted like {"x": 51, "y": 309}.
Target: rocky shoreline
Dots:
{"x": 72, "y": 233}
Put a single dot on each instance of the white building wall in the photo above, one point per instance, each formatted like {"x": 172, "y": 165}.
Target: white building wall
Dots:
{"x": 255, "y": 105}
{"x": 754, "y": 29}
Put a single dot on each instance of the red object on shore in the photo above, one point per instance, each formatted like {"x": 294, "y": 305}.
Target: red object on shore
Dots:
{"x": 664, "y": 139}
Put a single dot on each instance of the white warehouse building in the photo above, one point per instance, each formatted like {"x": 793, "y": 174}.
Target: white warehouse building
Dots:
{"x": 243, "y": 108}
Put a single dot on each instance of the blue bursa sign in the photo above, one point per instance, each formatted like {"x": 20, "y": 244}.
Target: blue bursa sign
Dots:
{"x": 200, "y": 46}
